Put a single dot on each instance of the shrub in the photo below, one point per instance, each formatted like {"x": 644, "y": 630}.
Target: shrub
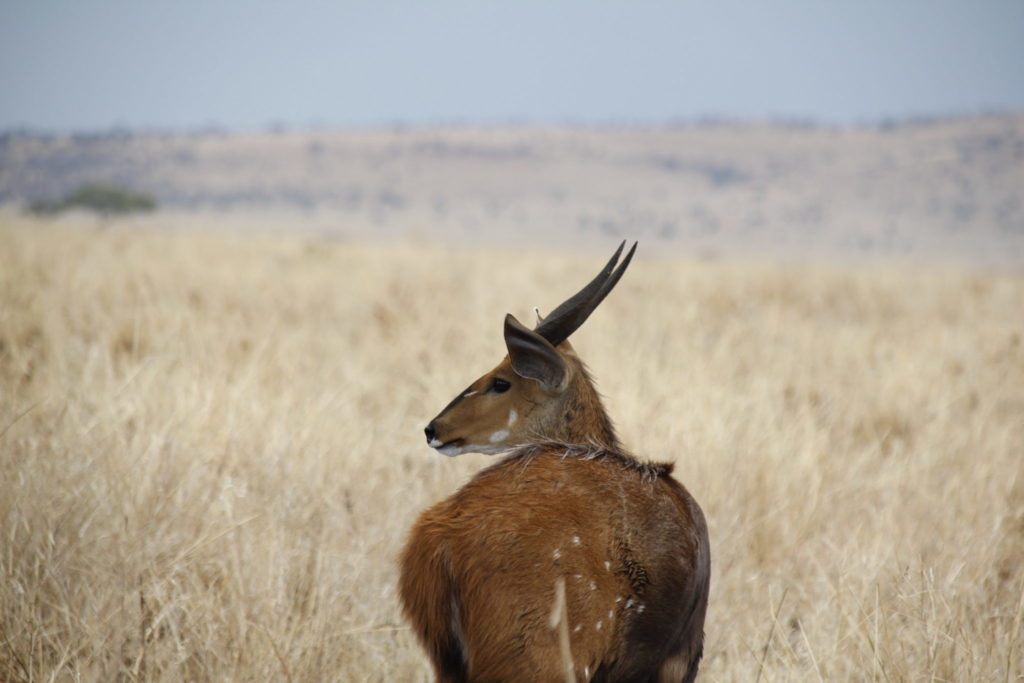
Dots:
{"x": 102, "y": 198}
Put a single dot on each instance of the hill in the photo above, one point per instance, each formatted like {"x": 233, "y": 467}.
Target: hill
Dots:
{"x": 946, "y": 190}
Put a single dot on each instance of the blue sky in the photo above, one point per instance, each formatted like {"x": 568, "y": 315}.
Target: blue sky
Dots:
{"x": 97, "y": 64}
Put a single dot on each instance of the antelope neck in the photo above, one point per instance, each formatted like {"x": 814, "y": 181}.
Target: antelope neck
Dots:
{"x": 581, "y": 417}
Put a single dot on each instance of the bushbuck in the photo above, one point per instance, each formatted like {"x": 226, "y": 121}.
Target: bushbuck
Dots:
{"x": 566, "y": 512}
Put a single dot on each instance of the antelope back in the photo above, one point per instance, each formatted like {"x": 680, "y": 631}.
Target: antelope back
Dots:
{"x": 480, "y": 569}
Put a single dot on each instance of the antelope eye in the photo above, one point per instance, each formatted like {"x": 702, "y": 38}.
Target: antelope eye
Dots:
{"x": 500, "y": 386}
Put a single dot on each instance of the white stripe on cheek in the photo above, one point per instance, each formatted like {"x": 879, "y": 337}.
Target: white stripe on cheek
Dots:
{"x": 499, "y": 435}
{"x": 512, "y": 417}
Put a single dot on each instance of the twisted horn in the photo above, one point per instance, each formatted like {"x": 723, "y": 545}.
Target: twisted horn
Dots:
{"x": 572, "y": 312}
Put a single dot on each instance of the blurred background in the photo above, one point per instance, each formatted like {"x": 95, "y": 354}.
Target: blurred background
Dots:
{"x": 873, "y": 130}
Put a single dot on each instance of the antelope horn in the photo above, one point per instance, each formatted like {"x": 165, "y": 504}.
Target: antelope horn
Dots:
{"x": 571, "y": 313}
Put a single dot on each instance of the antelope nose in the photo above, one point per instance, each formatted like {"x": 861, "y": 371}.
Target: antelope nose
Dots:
{"x": 429, "y": 431}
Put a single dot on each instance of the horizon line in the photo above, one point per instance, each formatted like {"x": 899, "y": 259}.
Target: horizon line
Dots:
{"x": 703, "y": 120}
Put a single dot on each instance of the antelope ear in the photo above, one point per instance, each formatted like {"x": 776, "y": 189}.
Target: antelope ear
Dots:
{"x": 533, "y": 356}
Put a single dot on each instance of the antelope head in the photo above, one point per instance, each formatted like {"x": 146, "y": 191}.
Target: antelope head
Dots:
{"x": 539, "y": 391}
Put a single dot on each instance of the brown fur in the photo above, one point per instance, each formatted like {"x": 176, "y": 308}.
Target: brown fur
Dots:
{"x": 479, "y": 570}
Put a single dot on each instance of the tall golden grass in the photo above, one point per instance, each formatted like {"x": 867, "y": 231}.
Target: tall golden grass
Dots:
{"x": 211, "y": 450}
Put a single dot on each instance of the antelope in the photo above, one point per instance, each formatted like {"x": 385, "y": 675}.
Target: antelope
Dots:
{"x": 566, "y": 513}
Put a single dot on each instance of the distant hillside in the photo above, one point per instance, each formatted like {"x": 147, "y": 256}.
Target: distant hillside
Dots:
{"x": 951, "y": 189}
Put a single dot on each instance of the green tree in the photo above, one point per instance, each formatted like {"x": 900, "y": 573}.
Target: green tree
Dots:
{"x": 102, "y": 198}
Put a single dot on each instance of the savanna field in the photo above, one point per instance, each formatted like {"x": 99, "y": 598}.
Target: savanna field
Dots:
{"x": 211, "y": 449}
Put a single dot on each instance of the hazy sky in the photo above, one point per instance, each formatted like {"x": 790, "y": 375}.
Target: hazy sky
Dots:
{"x": 94, "y": 64}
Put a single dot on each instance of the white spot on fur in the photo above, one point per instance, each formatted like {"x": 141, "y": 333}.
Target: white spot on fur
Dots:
{"x": 640, "y": 608}
{"x": 512, "y": 417}
{"x": 586, "y": 671}
{"x": 577, "y": 576}
{"x": 629, "y": 603}
{"x": 618, "y": 599}
{"x": 434, "y": 443}
{"x": 575, "y": 540}
{"x": 499, "y": 435}
{"x": 452, "y": 450}
{"x": 607, "y": 565}
{"x": 557, "y": 554}
{"x": 577, "y": 629}
{"x": 611, "y": 614}
{"x": 593, "y": 586}
{"x": 599, "y": 624}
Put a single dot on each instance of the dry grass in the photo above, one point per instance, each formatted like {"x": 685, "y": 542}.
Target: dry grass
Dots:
{"x": 210, "y": 450}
